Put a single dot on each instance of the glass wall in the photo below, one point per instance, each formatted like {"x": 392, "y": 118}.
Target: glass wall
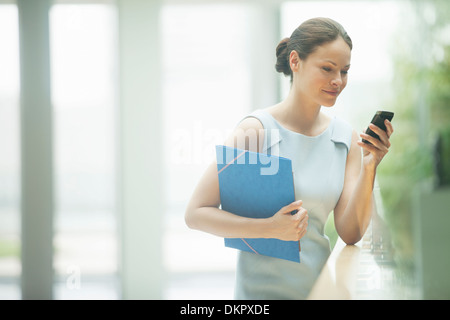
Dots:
{"x": 206, "y": 85}
{"x": 209, "y": 58}
{"x": 385, "y": 35}
{"x": 9, "y": 154}
{"x": 83, "y": 64}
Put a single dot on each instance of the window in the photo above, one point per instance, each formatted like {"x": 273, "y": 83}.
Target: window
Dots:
{"x": 10, "y": 154}
{"x": 83, "y": 64}
{"x": 206, "y": 89}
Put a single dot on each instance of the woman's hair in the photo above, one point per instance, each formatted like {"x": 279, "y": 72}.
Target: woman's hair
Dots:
{"x": 306, "y": 38}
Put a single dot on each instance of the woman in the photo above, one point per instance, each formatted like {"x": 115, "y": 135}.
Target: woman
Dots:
{"x": 329, "y": 173}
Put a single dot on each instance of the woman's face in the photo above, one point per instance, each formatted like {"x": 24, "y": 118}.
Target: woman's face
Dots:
{"x": 322, "y": 76}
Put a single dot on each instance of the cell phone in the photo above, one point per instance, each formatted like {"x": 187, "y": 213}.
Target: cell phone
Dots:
{"x": 378, "y": 120}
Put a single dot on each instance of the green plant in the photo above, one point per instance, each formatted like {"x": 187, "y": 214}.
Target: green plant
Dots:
{"x": 9, "y": 248}
{"x": 422, "y": 108}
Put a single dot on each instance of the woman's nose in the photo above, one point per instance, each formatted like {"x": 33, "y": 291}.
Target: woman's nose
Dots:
{"x": 336, "y": 82}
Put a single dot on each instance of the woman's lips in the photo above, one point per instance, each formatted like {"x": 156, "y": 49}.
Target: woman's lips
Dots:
{"x": 331, "y": 92}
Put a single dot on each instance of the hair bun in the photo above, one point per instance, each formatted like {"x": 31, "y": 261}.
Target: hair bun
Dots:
{"x": 282, "y": 53}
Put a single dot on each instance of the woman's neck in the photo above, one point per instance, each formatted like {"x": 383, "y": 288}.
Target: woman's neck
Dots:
{"x": 301, "y": 116}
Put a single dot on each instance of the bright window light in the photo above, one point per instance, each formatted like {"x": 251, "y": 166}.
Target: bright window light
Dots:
{"x": 83, "y": 64}
{"x": 9, "y": 154}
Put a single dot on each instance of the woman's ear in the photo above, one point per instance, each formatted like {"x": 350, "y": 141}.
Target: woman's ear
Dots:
{"x": 294, "y": 61}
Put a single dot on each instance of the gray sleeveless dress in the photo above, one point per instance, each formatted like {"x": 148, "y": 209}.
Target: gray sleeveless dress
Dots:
{"x": 319, "y": 166}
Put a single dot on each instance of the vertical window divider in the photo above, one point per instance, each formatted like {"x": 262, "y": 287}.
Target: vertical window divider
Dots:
{"x": 36, "y": 151}
{"x": 141, "y": 147}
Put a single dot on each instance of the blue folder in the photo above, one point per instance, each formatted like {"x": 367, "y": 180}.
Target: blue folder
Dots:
{"x": 256, "y": 185}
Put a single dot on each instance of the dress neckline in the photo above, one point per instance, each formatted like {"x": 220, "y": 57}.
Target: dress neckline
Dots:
{"x": 328, "y": 128}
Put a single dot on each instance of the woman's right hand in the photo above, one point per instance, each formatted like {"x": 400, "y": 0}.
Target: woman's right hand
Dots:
{"x": 287, "y": 226}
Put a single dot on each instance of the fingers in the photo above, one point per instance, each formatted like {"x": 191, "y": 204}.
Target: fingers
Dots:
{"x": 301, "y": 233}
{"x": 377, "y": 148}
{"x": 383, "y": 143}
{"x": 384, "y": 140}
{"x": 368, "y": 147}
{"x": 302, "y": 226}
{"x": 294, "y": 225}
{"x": 302, "y": 215}
{"x": 302, "y": 218}
{"x": 294, "y": 206}
{"x": 375, "y": 145}
{"x": 389, "y": 128}
{"x": 384, "y": 135}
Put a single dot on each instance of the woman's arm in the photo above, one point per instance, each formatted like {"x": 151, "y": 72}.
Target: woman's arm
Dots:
{"x": 354, "y": 210}
{"x": 203, "y": 213}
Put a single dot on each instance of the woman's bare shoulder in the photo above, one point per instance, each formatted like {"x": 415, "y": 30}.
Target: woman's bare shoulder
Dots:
{"x": 248, "y": 135}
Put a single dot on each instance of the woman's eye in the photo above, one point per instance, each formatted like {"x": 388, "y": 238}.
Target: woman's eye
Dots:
{"x": 326, "y": 69}
{"x": 344, "y": 71}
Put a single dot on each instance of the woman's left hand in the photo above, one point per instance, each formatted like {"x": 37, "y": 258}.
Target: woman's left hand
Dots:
{"x": 375, "y": 152}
